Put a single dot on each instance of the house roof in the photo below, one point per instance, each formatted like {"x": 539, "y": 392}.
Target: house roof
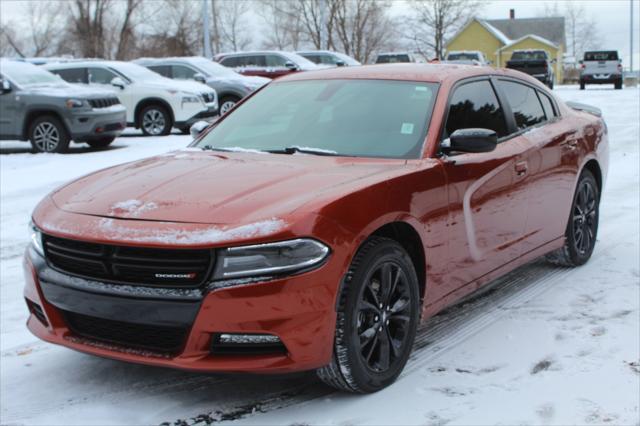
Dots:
{"x": 551, "y": 29}
{"x": 533, "y": 36}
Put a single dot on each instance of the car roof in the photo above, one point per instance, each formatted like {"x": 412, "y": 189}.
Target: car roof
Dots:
{"x": 189, "y": 59}
{"x": 428, "y": 73}
{"x": 81, "y": 63}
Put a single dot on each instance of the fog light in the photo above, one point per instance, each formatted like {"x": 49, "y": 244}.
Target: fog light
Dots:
{"x": 246, "y": 344}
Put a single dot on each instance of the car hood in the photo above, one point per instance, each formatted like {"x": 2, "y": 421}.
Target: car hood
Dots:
{"x": 253, "y": 81}
{"x": 68, "y": 91}
{"x": 194, "y": 186}
{"x": 169, "y": 84}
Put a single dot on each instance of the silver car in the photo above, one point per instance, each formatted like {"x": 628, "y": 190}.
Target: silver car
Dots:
{"x": 601, "y": 67}
{"x": 230, "y": 85}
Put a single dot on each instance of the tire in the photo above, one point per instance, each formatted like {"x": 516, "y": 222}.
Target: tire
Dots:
{"x": 582, "y": 85}
{"x": 48, "y": 134}
{"x": 228, "y": 102}
{"x": 101, "y": 143}
{"x": 618, "y": 85}
{"x": 582, "y": 229}
{"x": 365, "y": 310}
{"x": 155, "y": 120}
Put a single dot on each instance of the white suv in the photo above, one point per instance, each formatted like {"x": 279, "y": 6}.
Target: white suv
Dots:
{"x": 154, "y": 103}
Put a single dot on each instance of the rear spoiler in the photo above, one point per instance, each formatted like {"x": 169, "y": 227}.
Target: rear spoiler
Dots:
{"x": 584, "y": 107}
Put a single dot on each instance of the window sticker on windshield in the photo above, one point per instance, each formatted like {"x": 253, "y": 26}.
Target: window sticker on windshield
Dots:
{"x": 406, "y": 129}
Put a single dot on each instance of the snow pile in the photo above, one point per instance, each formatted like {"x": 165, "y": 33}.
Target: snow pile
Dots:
{"x": 132, "y": 208}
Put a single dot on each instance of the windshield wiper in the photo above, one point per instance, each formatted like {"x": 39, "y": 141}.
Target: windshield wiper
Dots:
{"x": 304, "y": 150}
{"x": 231, "y": 149}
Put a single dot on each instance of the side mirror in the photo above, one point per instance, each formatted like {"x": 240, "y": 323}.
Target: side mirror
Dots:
{"x": 290, "y": 65}
{"x": 471, "y": 141}
{"x": 198, "y": 127}
{"x": 118, "y": 82}
{"x": 199, "y": 78}
{"x": 341, "y": 64}
{"x": 5, "y": 86}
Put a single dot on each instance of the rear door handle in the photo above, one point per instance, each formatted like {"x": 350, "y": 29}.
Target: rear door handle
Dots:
{"x": 521, "y": 168}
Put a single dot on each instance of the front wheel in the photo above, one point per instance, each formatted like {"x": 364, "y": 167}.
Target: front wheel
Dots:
{"x": 48, "y": 134}
{"x": 582, "y": 229}
{"x": 377, "y": 318}
{"x": 155, "y": 121}
{"x": 227, "y": 103}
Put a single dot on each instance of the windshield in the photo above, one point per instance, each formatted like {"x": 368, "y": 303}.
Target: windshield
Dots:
{"x": 530, "y": 56}
{"x": 463, "y": 57}
{"x": 27, "y": 75}
{"x": 389, "y": 59}
{"x": 363, "y": 118}
{"x": 134, "y": 72}
{"x": 214, "y": 69}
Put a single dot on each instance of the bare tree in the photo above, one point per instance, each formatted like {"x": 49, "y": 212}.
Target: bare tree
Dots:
{"x": 317, "y": 18}
{"x": 581, "y": 29}
{"x": 88, "y": 26}
{"x": 39, "y": 37}
{"x": 10, "y": 43}
{"x": 283, "y": 24}
{"x": 362, "y": 27}
{"x": 124, "y": 48}
{"x": 436, "y": 20}
{"x": 233, "y": 24}
{"x": 176, "y": 29}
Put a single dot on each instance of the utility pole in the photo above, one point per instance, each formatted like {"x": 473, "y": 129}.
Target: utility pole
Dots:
{"x": 205, "y": 30}
{"x": 323, "y": 25}
{"x": 631, "y": 36}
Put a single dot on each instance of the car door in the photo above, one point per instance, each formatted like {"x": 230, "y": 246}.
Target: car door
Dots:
{"x": 487, "y": 200}
{"x": 102, "y": 77}
{"x": 9, "y": 111}
{"x": 552, "y": 161}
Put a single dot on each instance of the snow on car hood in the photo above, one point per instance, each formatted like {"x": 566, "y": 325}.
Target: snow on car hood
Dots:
{"x": 68, "y": 91}
{"x": 183, "y": 85}
{"x": 217, "y": 188}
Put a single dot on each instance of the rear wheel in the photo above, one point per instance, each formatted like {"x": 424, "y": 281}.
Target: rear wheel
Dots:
{"x": 155, "y": 120}
{"x": 101, "y": 143}
{"x": 48, "y": 134}
{"x": 582, "y": 229}
{"x": 376, "y": 321}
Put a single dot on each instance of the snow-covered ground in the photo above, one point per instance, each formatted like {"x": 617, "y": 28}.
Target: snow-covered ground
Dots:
{"x": 545, "y": 346}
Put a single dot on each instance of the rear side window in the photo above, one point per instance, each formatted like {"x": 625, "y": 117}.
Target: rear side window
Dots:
{"x": 163, "y": 70}
{"x": 547, "y": 105}
{"x": 231, "y": 62}
{"x": 601, "y": 56}
{"x": 275, "y": 61}
{"x": 254, "y": 61}
{"x": 524, "y": 102}
{"x": 72, "y": 75}
{"x": 475, "y": 105}
{"x": 316, "y": 59}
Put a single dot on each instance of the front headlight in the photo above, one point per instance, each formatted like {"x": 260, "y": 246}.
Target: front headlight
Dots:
{"x": 190, "y": 98}
{"x": 74, "y": 103}
{"x": 36, "y": 239}
{"x": 269, "y": 259}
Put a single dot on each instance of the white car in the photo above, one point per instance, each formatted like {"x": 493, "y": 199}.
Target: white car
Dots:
{"x": 466, "y": 57}
{"x": 154, "y": 103}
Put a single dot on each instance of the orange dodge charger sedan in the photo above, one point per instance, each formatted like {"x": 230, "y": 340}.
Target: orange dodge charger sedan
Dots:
{"x": 315, "y": 225}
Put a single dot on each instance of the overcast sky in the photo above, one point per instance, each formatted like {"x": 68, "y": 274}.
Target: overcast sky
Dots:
{"x": 612, "y": 17}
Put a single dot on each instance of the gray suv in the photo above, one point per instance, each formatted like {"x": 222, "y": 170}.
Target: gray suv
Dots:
{"x": 38, "y": 106}
{"x": 230, "y": 85}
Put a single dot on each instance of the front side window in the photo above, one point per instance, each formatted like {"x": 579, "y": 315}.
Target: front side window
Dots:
{"x": 100, "y": 76}
{"x": 163, "y": 70}
{"x": 180, "y": 72}
{"x": 316, "y": 59}
{"x": 339, "y": 117}
{"x": 475, "y": 105}
{"x": 253, "y": 61}
{"x": 73, "y": 75}
{"x": 230, "y": 62}
{"x": 524, "y": 102}
{"x": 275, "y": 61}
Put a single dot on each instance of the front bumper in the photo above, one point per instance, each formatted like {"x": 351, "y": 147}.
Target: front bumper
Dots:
{"x": 206, "y": 115}
{"x": 299, "y": 310}
{"x": 97, "y": 123}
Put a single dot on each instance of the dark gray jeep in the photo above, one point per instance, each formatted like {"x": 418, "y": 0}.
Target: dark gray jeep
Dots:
{"x": 38, "y": 106}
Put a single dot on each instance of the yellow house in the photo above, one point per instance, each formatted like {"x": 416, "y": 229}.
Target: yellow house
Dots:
{"x": 498, "y": 38}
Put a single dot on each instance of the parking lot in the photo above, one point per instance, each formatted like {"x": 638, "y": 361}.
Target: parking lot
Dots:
{"x": 546, "y": 345}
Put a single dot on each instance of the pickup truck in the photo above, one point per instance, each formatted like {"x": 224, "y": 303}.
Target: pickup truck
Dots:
{"x": 601, "y": 67}
{"x": 536, "y": 63}
{"x": 466, "y": 57}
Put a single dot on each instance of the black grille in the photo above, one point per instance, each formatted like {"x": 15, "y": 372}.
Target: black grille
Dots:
{"x": 103, "y": 102}
{"x": 182, "y": 268}
{"x": 208, "y": 97}
{"x": 155, "y": 338}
